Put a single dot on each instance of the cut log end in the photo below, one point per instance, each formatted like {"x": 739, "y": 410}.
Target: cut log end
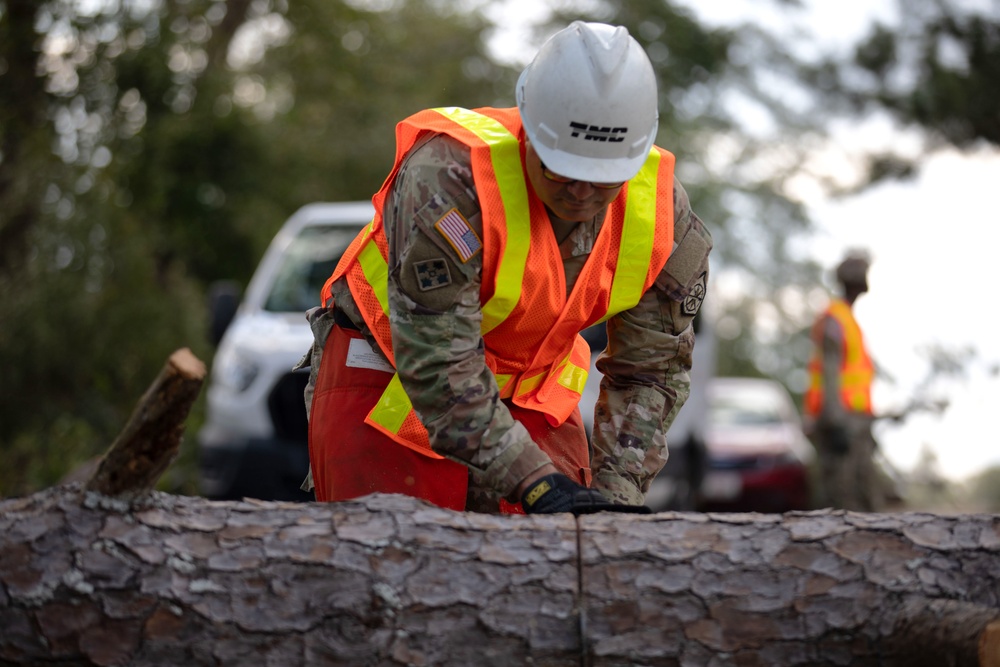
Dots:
{"x": 927, "y": 628}
{"x": 187, "y": 365}
{"x": 989, "y": 646}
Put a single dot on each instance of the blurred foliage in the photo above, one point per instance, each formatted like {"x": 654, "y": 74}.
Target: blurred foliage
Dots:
{"x": 984, "y": 490}
{"x": 148, "y": 149}
{"x": 927, "y": 490}
{"x": 938, "y": 71}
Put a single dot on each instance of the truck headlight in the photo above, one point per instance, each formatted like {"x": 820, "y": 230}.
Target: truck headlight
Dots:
{"x": 235, "y": 371}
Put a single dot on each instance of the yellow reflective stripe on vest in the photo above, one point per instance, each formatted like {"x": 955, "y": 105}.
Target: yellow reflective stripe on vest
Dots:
{"x": 855, "y": 365}
{"x": 376, "y": 271}
{"x": 573, "y": 377}
{"x": 529, "y": 384}
{"x": 393, "y": 406}
{"x": 858, "y": 402}
{"x": 855, "y": 377}
{"x": 852, "y": 335}
{"x": 502, "y": 380}
{"x": 570, "y": 376}
{"x": 638, "y": 233}
{"x": 505, "y": 155}
{"x": 856, "y": 372}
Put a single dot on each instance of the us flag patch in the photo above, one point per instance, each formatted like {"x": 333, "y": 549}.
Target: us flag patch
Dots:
{"x": 456, "y": 230}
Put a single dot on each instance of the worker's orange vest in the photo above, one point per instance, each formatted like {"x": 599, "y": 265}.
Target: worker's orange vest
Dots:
{"x": 530, "y": 329}
{"x": 856, "y": 370}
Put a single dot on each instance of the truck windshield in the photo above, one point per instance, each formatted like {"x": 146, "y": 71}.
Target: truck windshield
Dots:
{"x": 305, "y": 266}
{"x": 750, "y": 407}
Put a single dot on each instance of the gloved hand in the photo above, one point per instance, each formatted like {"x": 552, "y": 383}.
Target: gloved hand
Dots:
{"x": 837, "y": 439}
{"x": 558, "y": 493}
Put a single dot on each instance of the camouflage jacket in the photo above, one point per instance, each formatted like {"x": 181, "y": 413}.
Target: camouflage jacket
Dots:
{"x": 645, "y": 366}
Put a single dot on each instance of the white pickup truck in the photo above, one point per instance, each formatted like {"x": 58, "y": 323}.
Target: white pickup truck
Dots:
{"x": 254, "y": 441}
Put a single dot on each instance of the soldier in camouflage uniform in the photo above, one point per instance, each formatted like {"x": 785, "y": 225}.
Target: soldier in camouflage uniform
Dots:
{"x": 839, "y": 415}
{"x": 435, "y": 310}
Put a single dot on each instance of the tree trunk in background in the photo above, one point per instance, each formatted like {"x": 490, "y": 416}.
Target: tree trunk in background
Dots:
{"x": 25, "y": 136}
{"x": 387, "y": 580}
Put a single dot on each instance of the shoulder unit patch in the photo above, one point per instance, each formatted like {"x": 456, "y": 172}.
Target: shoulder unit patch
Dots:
{"x": 432, "y": 274}
{"x": 692, "y": 302}
{"x": 456, "y": 231}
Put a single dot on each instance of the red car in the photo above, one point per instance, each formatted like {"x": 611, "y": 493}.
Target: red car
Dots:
{"x": 758, "y": 455}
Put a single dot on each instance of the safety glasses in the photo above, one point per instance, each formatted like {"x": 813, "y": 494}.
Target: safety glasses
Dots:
{"x": 556, "y": 178}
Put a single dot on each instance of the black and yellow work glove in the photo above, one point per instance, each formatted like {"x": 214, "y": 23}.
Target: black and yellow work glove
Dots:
{"x": 558, "y": 493}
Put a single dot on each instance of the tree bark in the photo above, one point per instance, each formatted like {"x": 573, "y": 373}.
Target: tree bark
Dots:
{"x": 110, "y": 573}
{"x": 390, "y": 580}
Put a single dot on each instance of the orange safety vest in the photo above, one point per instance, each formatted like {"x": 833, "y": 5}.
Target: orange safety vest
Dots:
{"x": 856, "y": 371}
{"x": 530, "y": 329}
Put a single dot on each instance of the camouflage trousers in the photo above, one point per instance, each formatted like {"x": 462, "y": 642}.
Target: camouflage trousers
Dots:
{"x": 849, "y": 480}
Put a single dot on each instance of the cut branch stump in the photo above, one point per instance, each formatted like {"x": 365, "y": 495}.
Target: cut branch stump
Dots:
{"x": 151, "y": 438}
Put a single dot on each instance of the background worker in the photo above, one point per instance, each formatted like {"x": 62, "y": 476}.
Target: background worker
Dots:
{"x": 838, "y": 405}
{"x": 448, "y": 364}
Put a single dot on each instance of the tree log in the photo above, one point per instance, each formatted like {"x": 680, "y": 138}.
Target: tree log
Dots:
{"x": 151, "y": 438}
{"x": 989, "y": 645}
{"x": 111, "y": 573}
{"x": 390, "y": 580}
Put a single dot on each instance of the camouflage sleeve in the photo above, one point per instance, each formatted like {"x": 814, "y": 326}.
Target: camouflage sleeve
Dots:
{"x": 434, "y": 227}
{"x": 646, "y": 366}
{"x": 832, "y": 413}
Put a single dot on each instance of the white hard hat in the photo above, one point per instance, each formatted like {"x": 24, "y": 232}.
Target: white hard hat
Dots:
{"x": 588, "y": 103}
